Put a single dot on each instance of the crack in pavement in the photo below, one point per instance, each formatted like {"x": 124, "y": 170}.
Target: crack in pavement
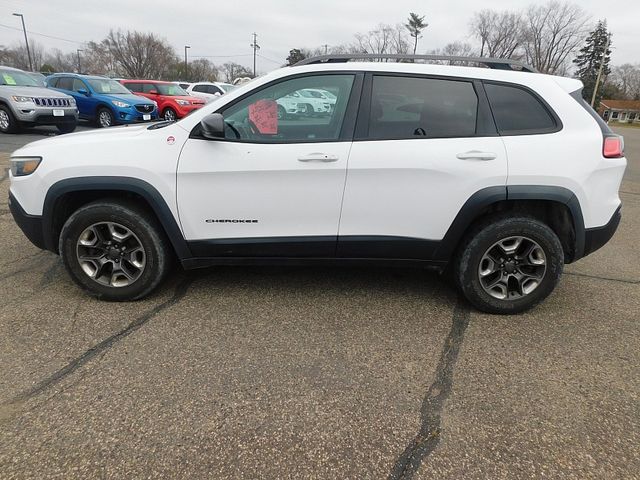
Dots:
{"x": 428, "y": 437}
{"x": 11, "y": 407}
{"x": 611, "y": 279}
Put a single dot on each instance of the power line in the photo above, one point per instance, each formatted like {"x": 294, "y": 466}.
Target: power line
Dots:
{"x": 279, "y": 62}
{"x": 42, "y": 34}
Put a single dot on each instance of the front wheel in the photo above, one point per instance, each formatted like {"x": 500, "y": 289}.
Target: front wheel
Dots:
{"x": 8, "y": 123}
{"x": 105, "y": 118}
{"x": 66, "y": 127}
{"x": 169, "y": 115}
{"x": 509, "y": 265}
{"x": 114, "y": 250}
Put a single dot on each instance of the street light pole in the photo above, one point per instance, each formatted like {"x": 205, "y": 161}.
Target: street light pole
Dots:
{"x": 78, "y": 50}
{"x": 255, "y": 47}
{"x": 26, "y": 41}
{"x": 185, "y": 62}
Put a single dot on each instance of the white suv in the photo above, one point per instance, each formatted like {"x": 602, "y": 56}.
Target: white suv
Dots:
{"x": 501, "y": 175}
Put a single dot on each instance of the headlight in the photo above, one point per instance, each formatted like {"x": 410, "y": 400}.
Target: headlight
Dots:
{"x": 183, "y": 102}
{"x": 21, "y": 166}
{"x": 18, "y": 98}
{"x": 72, "y": 101}
{"x": 119, "y": 104}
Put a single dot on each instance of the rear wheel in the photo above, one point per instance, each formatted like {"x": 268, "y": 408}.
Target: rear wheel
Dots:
{"x": 509, "y": 265}
{"x": 8, "y": 123}
{"x": 114, "y": 250}
{"x": 104, "y": 118}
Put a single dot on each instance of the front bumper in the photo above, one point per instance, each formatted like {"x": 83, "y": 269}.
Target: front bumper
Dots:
{"x": 31, "y": 225}
{"x": 133, "y": 116}
{"x": 184, "y": 110}
{"x": 595, "y": 238}
{"x": 32, "y": 115}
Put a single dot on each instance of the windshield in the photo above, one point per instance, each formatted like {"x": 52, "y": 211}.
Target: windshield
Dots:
{"x": 107, "y": 86}
{"x": 227, "y": 87}
{"x": 17, "y": 78}
{"x": 170, "y": 89}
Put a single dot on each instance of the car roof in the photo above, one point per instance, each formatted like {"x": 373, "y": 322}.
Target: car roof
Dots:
{"x": 11, "y": 68}
{"x": 146, "y": 81}
{"x": 79, "y": 75}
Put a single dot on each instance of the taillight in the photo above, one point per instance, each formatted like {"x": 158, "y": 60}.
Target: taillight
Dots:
{"x": 613, "y": 147}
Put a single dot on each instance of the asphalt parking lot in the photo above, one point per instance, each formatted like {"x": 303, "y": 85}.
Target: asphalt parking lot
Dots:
{"x": 319, "y": 373}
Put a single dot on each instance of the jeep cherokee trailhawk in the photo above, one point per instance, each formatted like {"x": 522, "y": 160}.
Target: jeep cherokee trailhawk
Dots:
{"x": 497, "y": 175}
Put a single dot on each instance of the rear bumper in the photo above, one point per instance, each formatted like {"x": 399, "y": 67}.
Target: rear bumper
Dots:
{"x": 31, "y": 225}
{"x": 595, "y": 238}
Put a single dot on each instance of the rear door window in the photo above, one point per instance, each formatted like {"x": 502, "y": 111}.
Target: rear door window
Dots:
{"x": 415, "y": 107}
{"x": 518, "y": 111}
{"x": 65, "y": 83}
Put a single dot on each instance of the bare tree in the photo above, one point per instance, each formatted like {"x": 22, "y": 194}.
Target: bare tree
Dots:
{"x": 18, "y": 57}
{"x": 627, "y": 78}
{"x": 232, "y": 70}
{"x": 552, "y": 33}
{"x": 454, "y": 49}
{"x": 382, "y": 39}
{"x": 500, "y": 33}
{"x": 141, "y": 55}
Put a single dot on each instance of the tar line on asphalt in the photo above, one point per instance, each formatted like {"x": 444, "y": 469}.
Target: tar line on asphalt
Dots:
{"x": 178, "y": 294}
{"x": 428, "y": 436}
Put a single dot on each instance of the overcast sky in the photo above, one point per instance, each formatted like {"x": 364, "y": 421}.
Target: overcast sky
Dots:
{"x": 221, "y": 29}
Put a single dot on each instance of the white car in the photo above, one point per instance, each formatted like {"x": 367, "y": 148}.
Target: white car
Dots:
{"x": 304, "y": 102}
{"x": 208, "y": 91}
{"x": 498, "y": 175}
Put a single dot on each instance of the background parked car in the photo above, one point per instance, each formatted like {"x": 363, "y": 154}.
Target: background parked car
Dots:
{"x": 304, "y": 102}
{"x": 103, "y": 100}
{"x": 208, "y": 91}
{"x": 173, "y": 101}
{"x": 23, "y": 103}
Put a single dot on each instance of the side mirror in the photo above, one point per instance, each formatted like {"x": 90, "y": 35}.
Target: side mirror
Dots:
{"x": 84, "y": 92}
{"x": 212, "y": 126}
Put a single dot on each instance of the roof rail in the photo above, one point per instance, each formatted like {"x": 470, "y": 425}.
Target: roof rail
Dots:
{"x": 495, "y": 63}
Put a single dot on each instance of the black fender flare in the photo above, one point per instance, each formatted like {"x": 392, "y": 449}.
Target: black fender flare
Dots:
{"x": 124, "y": 184}
{"x": 479, "y": 201}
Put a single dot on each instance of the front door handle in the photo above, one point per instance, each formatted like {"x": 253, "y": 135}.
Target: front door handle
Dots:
{"x": 476, "y": 155}
{"x": 318, "y": 157}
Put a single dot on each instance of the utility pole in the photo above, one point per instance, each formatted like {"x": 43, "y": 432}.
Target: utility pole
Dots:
{"x": 78, "y": 50}
{"x": 186, "y": 65}
{"x": 604, "y": 54}
{"x": 26, "y": 41}
{"x": 326, "y": 48}
{"x": 255, "y": 47}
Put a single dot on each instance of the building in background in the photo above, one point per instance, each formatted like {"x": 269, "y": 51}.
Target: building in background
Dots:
{"x": 622, "y": 111}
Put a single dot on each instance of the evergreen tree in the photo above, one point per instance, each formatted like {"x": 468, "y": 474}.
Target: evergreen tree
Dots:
{"x": 415, "y": 24}
{"x": 589, "y": 59}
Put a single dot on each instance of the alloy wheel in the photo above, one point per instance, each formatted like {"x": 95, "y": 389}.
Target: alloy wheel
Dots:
{"x": 111, "y": 254}
{"x": 4, "y": 120}
{"x": 512, "y": 268}
{"x": 169, "y": 115}
{"x": 104, "y": 118}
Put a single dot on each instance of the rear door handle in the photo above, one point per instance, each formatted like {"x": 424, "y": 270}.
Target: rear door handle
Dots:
{"x": 318, "y": 157}
{"x": 476, "y": 155}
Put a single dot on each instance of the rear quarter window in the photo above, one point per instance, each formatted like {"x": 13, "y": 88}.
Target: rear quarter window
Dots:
{"x": 518, "y": 111}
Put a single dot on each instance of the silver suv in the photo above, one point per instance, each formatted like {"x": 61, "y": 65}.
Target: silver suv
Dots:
{"x": 23, "y": 103}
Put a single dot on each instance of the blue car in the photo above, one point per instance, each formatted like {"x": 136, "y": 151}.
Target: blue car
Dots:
{"x": 104, "y": 101}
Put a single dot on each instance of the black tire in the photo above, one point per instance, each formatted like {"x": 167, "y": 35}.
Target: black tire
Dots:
{"x": 104, "y": 118}
{"x": 157, "y": 254}
{"x": 282, "y": 113}
{"x": 169, "y": 114}
{"x": 66, "y": 127}
{"x": 466, "y": 270}
{"x": 11, "y": 125}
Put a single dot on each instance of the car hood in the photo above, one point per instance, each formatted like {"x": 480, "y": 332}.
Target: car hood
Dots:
{"x": 191, "y": 98}
{"x": 89, "y": 136}
{"x": 31, "y": 91}
{"x": 129, "y": 98}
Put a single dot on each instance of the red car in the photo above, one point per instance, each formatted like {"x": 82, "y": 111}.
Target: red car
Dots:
{"x": 173, "y": 101}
